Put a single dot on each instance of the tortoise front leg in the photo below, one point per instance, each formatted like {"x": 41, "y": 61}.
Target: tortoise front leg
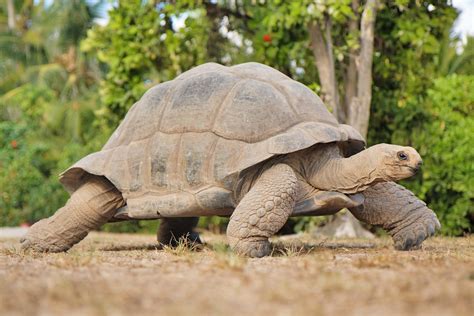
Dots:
{"x": 172, "y": 230}
{"x": 263, "y": 211}
{"x": 405, "y": 217}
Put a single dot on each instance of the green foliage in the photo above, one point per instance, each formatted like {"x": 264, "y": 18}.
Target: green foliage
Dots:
{"x": 408, "y": 43}
{"x": 129, "y": 46}
{"x": 29, "y": 168}
{"x": 464, "y": 62}
{"x": 132, "y": 227}
{"x": 215, "y": 224}
{"x": 46, "y": 109}
{"x": 443, "y": 137}
{"x": 24, "y": 185}
{"x": 140, "y": 45}
{"x": 33, "y": 152}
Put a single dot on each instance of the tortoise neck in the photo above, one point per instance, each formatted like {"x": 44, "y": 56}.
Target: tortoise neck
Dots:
{"x": 321, "y": 167}
{"x": 332, "y": 172}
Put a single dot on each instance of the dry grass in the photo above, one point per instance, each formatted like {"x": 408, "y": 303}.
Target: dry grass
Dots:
{"x": 111, "y": 274}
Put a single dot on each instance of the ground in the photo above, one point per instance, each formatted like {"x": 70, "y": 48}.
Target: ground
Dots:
{"x": 120, "y": 274}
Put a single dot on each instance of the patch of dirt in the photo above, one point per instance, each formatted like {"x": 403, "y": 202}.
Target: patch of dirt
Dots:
{"x": 120, "y": 274}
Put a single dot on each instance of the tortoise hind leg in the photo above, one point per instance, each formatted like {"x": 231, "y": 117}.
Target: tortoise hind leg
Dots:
{"x": 88, "y": 208}
{"x": 173, "y": 230}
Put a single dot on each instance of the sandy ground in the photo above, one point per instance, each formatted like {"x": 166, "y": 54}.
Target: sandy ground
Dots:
{"x": 109, "y": 274}
{"x": 12, "y": 232}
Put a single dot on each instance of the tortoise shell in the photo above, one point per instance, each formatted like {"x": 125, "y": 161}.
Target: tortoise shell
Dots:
{"x": 180, "y": 149}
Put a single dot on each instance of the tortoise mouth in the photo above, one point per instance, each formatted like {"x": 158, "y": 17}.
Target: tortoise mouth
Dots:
{"x": 414, "y": 170}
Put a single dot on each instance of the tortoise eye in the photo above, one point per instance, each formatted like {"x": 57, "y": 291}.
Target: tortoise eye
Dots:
{"x": 402, "y": 156}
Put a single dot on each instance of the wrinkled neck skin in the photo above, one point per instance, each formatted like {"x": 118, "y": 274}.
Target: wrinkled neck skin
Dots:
{"x": 321, "y": 167}
{"x": 324, "y": 168}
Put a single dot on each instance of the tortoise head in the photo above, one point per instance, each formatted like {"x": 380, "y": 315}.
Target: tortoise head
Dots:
{"x": 396, "y": 162}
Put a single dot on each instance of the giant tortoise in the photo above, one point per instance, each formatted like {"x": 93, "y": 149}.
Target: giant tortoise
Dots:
{"x": 246, "y": 142}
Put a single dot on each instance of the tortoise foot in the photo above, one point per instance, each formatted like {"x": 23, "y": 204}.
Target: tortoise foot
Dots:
{"x": 412, "y": 236}
{"x": 253, "y": 248}
{"x": 42, "y": 238}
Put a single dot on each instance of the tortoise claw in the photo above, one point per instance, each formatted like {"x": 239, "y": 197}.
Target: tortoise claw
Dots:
{"x": 412, "y": 236}
{"x": 253, "y": 248}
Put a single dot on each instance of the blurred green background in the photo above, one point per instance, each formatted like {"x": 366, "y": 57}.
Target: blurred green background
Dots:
{"x": 70, "y": 70}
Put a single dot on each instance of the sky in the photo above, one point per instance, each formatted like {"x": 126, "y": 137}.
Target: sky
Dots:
{"x": 465, "y": 23}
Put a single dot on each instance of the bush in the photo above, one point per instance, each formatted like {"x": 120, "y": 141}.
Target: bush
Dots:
{"x": 443, "y": 134}
{"x": 29, "y": 169}
{"x": 24, "y": 186}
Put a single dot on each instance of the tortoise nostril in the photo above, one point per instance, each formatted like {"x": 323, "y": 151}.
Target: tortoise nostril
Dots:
{"x": 419, "y": 164}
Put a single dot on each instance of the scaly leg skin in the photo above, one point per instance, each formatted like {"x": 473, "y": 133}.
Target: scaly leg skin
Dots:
{"x": 173, "y": 230}
{"x": 88, "y": 208}
{"x": 405, "y": 217}
{"x": 263, "y": 211}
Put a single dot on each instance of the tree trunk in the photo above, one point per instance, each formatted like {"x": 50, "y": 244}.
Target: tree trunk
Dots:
{"x": 11, "y": 15}
{"x": 350, "y": 79}
{"x": 359, "y": 110}
{"x": 357, "y": 83}
{"x": 323, "y": 55}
